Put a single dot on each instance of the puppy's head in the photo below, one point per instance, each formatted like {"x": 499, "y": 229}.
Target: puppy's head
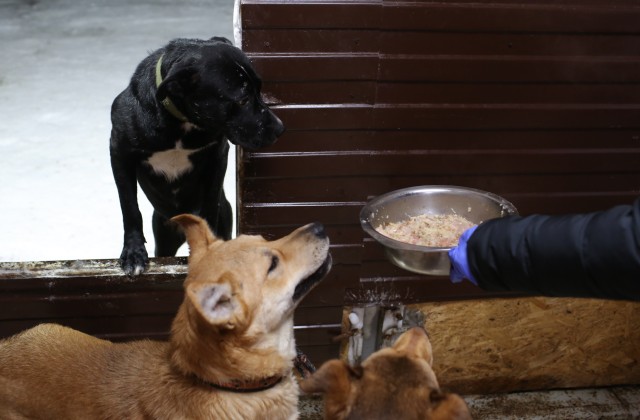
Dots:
{"x": 396, "y": 382}
{"x": 249, "y": 285}
{"x": 215, "y": 86}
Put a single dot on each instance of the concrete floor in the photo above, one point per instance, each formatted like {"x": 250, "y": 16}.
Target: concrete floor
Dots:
{"x": 615, "y": 403}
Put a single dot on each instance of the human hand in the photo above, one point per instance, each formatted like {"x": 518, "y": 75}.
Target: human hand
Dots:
{"x": 460, "y": 269}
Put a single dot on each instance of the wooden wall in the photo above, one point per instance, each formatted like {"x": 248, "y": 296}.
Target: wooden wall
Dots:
{"x": 93, "y": 296}
{"x": 535, "y": 100}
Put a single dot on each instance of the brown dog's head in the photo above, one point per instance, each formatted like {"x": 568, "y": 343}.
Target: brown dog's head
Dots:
{"x": 240, "y": 294}
{"x": 393, "y": 383}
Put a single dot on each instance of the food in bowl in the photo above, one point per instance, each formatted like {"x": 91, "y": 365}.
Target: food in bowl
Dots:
{"x": 434, "y": 230}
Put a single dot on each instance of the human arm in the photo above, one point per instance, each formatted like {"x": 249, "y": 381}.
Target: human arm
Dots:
{"x": 580, "y": 255}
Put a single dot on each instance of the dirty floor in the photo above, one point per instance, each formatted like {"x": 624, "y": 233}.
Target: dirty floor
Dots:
{"x": 613, "y": 403}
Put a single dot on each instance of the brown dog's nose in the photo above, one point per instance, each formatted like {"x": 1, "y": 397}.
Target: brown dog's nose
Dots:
{"x": 317, "y": 229}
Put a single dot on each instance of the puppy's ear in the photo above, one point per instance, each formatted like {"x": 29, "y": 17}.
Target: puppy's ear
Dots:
{"x": 215, "y": 302}
{"x": 180, "y": 80}
{"x": 448, "y": 407}
{"x": 198, "y": 233}
{"x": 334, "y": 379}
{"x": 334, "y": 375}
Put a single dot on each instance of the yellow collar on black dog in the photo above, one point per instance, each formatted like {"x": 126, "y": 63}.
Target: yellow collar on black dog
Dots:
{"x": 166, "y": 102}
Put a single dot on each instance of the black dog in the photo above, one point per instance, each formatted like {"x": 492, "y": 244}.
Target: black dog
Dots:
{"x": 170, "y": 128}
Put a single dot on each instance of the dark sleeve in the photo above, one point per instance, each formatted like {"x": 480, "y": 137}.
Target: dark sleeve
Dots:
{"x": 581, "y": 255}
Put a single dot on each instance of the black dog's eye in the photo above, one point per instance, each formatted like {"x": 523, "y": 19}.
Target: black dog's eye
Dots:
{"x": 274, "y": 263}
{"x": 243, "y": 101}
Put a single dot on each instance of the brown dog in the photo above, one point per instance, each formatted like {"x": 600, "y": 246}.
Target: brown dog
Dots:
{"x": 229, "y": 356}
{"x": 393, "y": 383}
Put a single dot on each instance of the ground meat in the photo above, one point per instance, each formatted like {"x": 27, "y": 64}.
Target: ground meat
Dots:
{"x": 428, "y": 230}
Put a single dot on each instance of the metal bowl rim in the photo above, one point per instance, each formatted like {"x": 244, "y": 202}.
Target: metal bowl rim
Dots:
{"x": 395, "y": 244}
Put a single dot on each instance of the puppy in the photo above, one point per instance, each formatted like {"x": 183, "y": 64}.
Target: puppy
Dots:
{"x": 229, "y": 355}
{"x": 169, "y": 133}
{"x": 393, "y": 383}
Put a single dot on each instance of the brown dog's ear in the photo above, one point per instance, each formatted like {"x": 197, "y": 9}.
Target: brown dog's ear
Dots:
{"x": 215, "y": 302}
{"x": 198, "y": 233}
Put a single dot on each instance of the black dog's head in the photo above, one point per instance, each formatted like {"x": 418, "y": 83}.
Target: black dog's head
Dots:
{"x": 213, "y": 84}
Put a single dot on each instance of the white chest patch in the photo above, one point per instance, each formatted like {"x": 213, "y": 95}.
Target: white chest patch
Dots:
{"x": 172, "y": 163}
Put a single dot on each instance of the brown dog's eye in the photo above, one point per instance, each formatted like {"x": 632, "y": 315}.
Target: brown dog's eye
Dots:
{"x": 274, "y": 263}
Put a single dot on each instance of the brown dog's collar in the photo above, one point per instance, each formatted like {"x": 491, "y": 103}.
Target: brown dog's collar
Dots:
{"x": 238, "y": 385}
{"x": 166, "y": 102}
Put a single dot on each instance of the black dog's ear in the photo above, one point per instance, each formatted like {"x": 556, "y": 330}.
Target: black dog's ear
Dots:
{"x": 178, "y": 82}
{"x": 221, "y": 39}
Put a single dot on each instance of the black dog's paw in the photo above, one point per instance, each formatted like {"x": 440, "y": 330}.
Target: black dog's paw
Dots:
{"x": 134, "y": 258}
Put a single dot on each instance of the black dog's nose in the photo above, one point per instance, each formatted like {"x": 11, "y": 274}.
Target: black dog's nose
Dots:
{"x": 318, "y": 230}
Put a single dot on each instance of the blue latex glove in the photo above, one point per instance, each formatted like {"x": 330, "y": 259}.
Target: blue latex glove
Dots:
{"x": 459, "y": 262}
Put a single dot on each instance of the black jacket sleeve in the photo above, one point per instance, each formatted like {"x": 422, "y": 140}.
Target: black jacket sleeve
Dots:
{"x": 580, "y": 255}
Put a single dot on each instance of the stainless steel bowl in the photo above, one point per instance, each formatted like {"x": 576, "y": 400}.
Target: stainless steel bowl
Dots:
{"x": 474, "y": 205}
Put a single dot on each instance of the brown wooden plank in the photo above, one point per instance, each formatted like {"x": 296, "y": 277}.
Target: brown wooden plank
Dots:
{"x": 320, "y": 93}
{"x": 301, "y": 190}
{"x": 306, "y": 68}
{"x": 342, "y": 221}
{"x": 561, "y": 46}
{"x": 423, "y": 163}
{"x": 412, "y": 289}
{"x": 337, "y": 141}
{"x": 460, "y": 116}
{"x": 577, "y": 16}
{"x": 509, "y": 69}
{"x": 306, "y": 41}
{"x": 481, "y": 16}
{"x": 340, "y": 14}
{"x": 339, "y": 92}
{"x": 310, "y": 316}
{"x": 330, "y": 292}
{"x": 571, "y": 3}
{"x": 38, "y": 305}
{"x": 320, "y": 335}
{"x": 495, "y": 93}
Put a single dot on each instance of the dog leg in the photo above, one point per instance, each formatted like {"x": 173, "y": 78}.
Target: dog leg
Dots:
{"x": 221, "y": 220}
{"x": 168, "y": 236}
{"x": 216, "y": 208}
{"x": 133, "y": 258}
